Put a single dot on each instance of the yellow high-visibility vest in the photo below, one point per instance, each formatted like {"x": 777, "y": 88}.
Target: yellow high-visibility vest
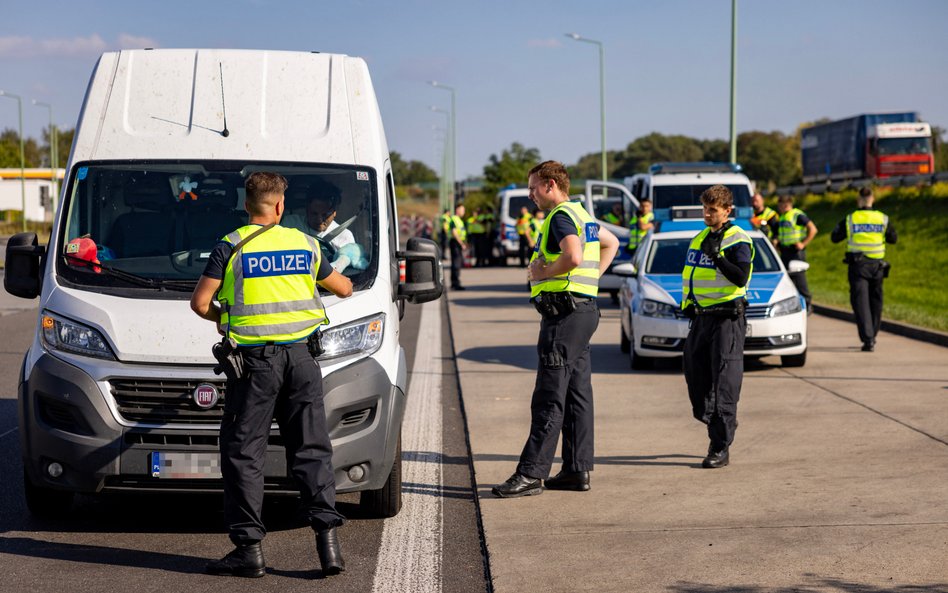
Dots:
{"x": 702, "y": 282}
{"x": 790, "y": 232}
{"x": 865, "y": 233}
{"x": 583, "y": 279}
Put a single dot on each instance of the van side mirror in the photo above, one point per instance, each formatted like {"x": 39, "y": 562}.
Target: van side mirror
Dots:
{"x": 796, "y": 266}
{"x": 625, "y": 270}
{"x": 22, "y": 274}
{"x": 424, "y": 276}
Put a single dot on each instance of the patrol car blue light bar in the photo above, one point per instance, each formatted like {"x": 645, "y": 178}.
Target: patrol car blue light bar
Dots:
{"x": 698, "y": 167}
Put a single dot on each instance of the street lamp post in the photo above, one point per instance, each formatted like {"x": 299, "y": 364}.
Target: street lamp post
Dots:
{"x": 53, "y": 156}
{"x": 453, "y": 134}
{"x": 19, "y": 107}
{"x": 733, "y": 81}
{"x": 444, "y": 202}
{"x": 602, "y": 94}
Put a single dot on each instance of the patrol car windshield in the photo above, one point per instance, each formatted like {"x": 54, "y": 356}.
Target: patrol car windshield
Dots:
{"x": 667, "y": 256}
{"x": 666, "y": 196}
{"x": 151, "y": 226}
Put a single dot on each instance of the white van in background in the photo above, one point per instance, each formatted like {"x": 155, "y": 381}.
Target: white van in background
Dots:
{"x": 507, "y": 207}
{"x": 120, "y": 374}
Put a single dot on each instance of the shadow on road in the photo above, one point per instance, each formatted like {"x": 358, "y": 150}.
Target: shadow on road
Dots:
{"x": 671, "y": 459}
{"x": 813, "y": 584}
{"x": 605, "y": 359}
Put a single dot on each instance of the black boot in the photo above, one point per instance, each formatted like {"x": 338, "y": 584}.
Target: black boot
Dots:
{"x": 330, "y": 554}
{"x": 518, "y": 485}
{"x": 578, "y": 481}
{"x": 716, "y": 459}
{"x": 242, "y": 561}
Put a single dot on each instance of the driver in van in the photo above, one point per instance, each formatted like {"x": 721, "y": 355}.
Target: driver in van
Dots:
{"x": 321, "y": 219}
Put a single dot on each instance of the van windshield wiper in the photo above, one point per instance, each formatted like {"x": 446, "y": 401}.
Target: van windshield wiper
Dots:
{"x": 127, "y": 276}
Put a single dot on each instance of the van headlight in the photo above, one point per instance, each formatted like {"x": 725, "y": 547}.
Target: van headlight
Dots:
{"x": 359, "y": 337}
{"x": 69, "y": 336}
{"x": 786, "y": 307}
{"x": 656, "y": 309}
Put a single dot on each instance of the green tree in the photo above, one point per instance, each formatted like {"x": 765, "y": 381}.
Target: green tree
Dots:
{"x": 63, "y": 144}
{"x": 511, "y": 166}
{"x": 717, "y": 151}
{"x": 766, "y": 157}
{"x": 10, "y": 150}
{"x": 588, "y": 166}
{"x": 940, "y": 148}
{"x": 656, "y": 148}
{"x": 410, "y": 172}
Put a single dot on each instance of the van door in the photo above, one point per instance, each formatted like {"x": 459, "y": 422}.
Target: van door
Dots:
{"x": 601, "y": 198}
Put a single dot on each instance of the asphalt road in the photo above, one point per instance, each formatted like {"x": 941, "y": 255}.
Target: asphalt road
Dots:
{"x": 161, "y": 543}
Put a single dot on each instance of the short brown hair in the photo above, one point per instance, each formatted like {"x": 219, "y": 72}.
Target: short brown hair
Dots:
{"x": 717, "y": 195}
{"x": 552, "y": 170}
{"x": 785, "y": 199}
{"x": 262, "y": 190}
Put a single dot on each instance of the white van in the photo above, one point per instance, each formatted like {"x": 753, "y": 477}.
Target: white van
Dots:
{"x": 119, "y": 375}
{"x": 508, "y": 203}
{"x": 675, "y": 189}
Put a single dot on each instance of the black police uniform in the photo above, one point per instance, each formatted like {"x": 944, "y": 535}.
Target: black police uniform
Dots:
{"x": 865, "y": 285}
{"x": 563, "y": 396}
{"x": 788, "y": 253}
{"x": 457, "y": 257}
{"x": 714, "y": 354}
{"x": 281, "y": 382}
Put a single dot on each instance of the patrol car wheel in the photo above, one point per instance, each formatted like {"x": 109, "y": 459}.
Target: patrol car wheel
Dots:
{"x": 46, "y": 502}
{"x": 387, "y": 500}
{"x": 624, "y": 343}
{"x": 796, "y": 360}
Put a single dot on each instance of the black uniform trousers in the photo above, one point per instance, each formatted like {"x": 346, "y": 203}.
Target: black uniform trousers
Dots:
{"x": 562, "y": 396}
{"x": 865, "y": 295}
{"x": 457, "y": 262}
{"x": 789, "y": 253}
{"x": 285, "y": 383}
{"x": 523, "y": 250}
{"x": 714, "y": 371}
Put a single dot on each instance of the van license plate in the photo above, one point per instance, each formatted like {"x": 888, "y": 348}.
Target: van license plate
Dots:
{"x": 185, "y": 465}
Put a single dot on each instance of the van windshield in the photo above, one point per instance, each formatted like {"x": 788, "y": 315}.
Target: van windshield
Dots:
{"x": 666, "y": 196}
{"x": 515, "y": 203}
{"x": 152, "y": 225}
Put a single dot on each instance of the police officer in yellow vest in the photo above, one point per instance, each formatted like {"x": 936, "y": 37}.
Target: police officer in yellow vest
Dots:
{"x": 718, "y": 268}
{"x": 269, "y": 305}
{"x": 533, "y": 231}
{"x": 523, "y": 235}
{"x": 458, "y": 244}
{"x": 571, "y": 253}
{"x": 795, "y": 230}
{"x": 866, "y": 231}
{"x": 444, "y": 232}
{"x": 765, "y": 217}
{"x": 640, "y": 224}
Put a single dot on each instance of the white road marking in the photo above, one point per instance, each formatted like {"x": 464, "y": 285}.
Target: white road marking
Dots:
{"x": 409, "y": 557}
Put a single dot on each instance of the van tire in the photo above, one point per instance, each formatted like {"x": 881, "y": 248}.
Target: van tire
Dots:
{"x": 624, "y": 342}
{"x": 385, "y": 502}
{"x": 795, "y": 360}
{"x": 46, "y": 502}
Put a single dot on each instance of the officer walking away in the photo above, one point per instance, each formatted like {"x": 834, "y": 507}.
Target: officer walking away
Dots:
{"x": 268, "y": 311}
{"x": 765, "y": 217}
{"x": 458, "y": 243}
{"x": 572, "y": 253}
{"x": 866, "y": 232}
{"x": 640, "y": 224}
{"x": 795, "y": 230}
{"x": 717, "y": 269}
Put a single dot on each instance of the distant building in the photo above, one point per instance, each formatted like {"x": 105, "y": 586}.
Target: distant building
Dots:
{"x": 38, "y": 190}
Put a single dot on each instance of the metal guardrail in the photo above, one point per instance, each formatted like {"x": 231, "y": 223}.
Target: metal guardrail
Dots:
{"x": 835, "y": 186}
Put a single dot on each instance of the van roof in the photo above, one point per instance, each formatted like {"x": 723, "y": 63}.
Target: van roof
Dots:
{"x": 279, "y": 106}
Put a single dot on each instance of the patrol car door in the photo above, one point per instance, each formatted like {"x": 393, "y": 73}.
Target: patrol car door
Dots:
{"x": 601, "y": 196}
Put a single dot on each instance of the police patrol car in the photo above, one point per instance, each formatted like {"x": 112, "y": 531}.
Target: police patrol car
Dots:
{"x": 654, "y": 326}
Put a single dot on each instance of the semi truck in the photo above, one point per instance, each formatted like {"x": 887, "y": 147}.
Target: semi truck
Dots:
{"x": 870, "y": 145}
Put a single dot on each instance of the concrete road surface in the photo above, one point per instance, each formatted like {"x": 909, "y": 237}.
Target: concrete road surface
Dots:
{"x": 838, "y": 478}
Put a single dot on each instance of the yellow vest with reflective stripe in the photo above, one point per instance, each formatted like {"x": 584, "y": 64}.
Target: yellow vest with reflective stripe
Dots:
{"x": 790, "y": 232}
{"x": 445, "y": 222}
{"x": 702, "y": 282}
{"x": 457, "y": 223}
{"x": 583, "y": 279}
{"x": 474, "y": 225}
{"x": 523, "y": 224}
{"x": 533, "y": 229}
{"x": 268, "y": 292}
{"x": 636, "y": 234}
{"x": 865, "y": 233}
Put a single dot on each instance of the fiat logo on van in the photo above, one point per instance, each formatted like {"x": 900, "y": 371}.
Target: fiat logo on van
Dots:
{"x": 205, "y": 396}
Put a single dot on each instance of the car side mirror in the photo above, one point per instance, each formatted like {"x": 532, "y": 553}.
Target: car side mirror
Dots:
{"x": 796, "y": 266}
{"x": 626, "y": 270}
{"x": 424, "y": 276}
{"x": 22, "y": 274}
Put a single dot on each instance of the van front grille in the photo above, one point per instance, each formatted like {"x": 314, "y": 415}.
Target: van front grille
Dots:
{"x": 164, "y": 401}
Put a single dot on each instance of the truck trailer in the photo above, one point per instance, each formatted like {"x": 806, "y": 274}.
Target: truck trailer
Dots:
{"x": 870, "y": 145}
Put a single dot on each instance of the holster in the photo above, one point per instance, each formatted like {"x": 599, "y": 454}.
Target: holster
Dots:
{"x": 733, "y": 309}
{"x": 315, "y": 344}
{"x": 554, "y": 304}
{"x": 229, "y": 360}
{"x": 853, "y": 257}
{"x": 886, "y": 266}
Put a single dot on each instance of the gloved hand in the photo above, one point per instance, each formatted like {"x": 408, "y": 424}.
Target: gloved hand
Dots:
{"x": 711, "y": 245}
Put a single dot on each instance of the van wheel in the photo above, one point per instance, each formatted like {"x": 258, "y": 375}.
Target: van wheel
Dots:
{"x": 387, "y": 500}
{"x": 796, "y": 360}
{"x": 624, "y": 342}
{"x": 46, "y": 502}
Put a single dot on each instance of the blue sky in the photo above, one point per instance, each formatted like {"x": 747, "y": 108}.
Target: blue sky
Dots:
{"x": 518, "y": 77}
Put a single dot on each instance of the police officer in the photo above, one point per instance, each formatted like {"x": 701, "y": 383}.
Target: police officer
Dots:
{"x": 444, "y": 231}
{"x": 866, "y": 232}
{"x": 765, "y": 217}
{"x": 795, "y": 230}
{"x": 571, "y": 254}
{"x": 523, "y": 235}
{"x": 717, "y": 269}
{"x": 614, "y": 216}
{"x": 640, "y": 224}
{"x": 269, "y": 306}
{"x": 458, "y": 243}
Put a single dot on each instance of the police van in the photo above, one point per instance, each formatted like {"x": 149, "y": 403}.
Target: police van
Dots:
{"x": 117, "y": 391}
{"x": 508, "y": 203}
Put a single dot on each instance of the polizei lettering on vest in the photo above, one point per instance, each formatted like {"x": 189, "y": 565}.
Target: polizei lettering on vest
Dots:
{"x": 698, "y": 259}
{"x": 276, "y": 263}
